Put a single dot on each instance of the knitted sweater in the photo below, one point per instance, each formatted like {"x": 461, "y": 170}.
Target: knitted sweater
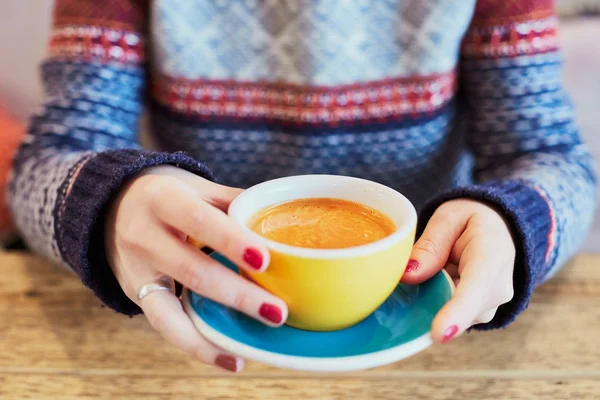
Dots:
{"x": 438, "y": 99}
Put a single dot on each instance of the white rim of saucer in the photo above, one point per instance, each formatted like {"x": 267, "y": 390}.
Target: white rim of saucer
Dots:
{"x": 312, "y": 364}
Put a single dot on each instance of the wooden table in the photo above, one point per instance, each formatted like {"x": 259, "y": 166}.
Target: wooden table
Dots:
{"x": 57, "y": 342}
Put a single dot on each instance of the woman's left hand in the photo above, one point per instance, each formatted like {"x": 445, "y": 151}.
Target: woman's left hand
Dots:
{"x": 473, "y": 242}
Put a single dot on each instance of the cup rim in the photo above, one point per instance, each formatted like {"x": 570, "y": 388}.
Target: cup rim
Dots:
{"x": 406, "y": 228}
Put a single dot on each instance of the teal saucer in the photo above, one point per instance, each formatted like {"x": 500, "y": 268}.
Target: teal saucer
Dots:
{"x": 396, "y": 330}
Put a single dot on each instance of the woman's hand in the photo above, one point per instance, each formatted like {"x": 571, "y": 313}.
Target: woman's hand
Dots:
{"x": 146, "y": 234}
{"x": 472, "y": 241}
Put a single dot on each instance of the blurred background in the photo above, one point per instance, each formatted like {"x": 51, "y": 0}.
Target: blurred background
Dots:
{"x": 24, "y": 26}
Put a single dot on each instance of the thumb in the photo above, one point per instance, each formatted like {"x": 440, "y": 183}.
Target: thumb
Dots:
{"x": 431, "y": 252}
{"x": 458, "y": 314}
{"x": 472, "y": 295}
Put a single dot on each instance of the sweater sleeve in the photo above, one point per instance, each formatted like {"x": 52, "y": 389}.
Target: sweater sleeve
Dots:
{"x": 81, "y": 144}
{"x": 530, "y": 161}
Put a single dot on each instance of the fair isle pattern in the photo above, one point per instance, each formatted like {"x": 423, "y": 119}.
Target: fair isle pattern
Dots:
{"x": 405, "y": 158}
{"x": 519, "y": 106}
{"x": 96, "y": 43}
{"x": 375, "y": 101}
{"x": 515, "y": 39}
{"x": 564, "y": 180}
{"x": 571, "y": 226}
{"x": 259, "y": 89}
{"x": 35, "y": 190}
{"x": 307, "y": 42}
{"x": 89, "y": 108}
{"x": 93, "y": 84}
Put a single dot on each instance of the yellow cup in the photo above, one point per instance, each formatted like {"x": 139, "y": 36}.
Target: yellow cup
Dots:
{"x": 329, "y": 289}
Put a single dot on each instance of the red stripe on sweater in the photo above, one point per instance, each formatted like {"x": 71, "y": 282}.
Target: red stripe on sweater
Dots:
{"x": 97, "y": 44}
{"x": 511, "y": 40}
{"x": 300, "y": 104}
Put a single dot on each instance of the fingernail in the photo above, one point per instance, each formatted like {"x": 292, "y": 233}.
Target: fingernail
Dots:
{"x": 253, "y": 258}
{"x": 412, "y": 266}
{"x": 449, "y": 333}
{"x": 227, "y": 362}
{"x": 271, "y": 313}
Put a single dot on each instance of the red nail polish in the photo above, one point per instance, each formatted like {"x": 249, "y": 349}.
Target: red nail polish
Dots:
{"x": 449, "y": 333}
{"x": 412, "y": 266}
{"x": 253, "y": 258}
{"x": 226, "y": 362}
{"x": 271, "y": 313}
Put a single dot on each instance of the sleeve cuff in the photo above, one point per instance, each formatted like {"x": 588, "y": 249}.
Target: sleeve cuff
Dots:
{"x": 80, "y": 233}
{"x": 529, "y": 217}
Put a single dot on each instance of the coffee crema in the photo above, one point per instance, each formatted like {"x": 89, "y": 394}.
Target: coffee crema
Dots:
{"x": 322, "y": 223}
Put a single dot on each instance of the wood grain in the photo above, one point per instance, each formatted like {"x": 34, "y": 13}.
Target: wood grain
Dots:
{"x": 126, "y": 387}
{"x": 58, "y": 342}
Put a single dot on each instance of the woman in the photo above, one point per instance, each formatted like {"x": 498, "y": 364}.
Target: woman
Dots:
{"x": 257, "y": 90}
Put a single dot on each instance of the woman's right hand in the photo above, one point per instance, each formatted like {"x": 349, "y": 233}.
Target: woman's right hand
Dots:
{"x": 146, "y": 242}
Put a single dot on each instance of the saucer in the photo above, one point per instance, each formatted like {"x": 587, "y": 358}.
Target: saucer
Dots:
{"x": 399, "y": 328}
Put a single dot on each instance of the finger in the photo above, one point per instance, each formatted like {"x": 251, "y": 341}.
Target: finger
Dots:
{"x": 486, "y": 316}
{"x": 431, "y": 252}
{"x": 474, "y": 294}
{"x": 166, "y": 315}
{"x": 212, "y": 228}
{"x": 457, "y": 315}
{"x": 205, "y": 276}
{"x": 218, "y": 195}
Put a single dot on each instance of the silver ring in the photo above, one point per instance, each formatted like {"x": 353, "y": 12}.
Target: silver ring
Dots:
{"x": 160, "y": 285}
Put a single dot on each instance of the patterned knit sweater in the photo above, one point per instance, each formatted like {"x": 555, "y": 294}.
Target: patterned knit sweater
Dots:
{"x": 438, "y": 99}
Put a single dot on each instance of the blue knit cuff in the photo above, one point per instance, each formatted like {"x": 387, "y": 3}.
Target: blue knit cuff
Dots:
{"x": 81, "y": 229}
{"x": 529, "y": 218}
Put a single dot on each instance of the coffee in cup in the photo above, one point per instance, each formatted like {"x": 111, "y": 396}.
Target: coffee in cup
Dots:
{"x": 322, "y": 223}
